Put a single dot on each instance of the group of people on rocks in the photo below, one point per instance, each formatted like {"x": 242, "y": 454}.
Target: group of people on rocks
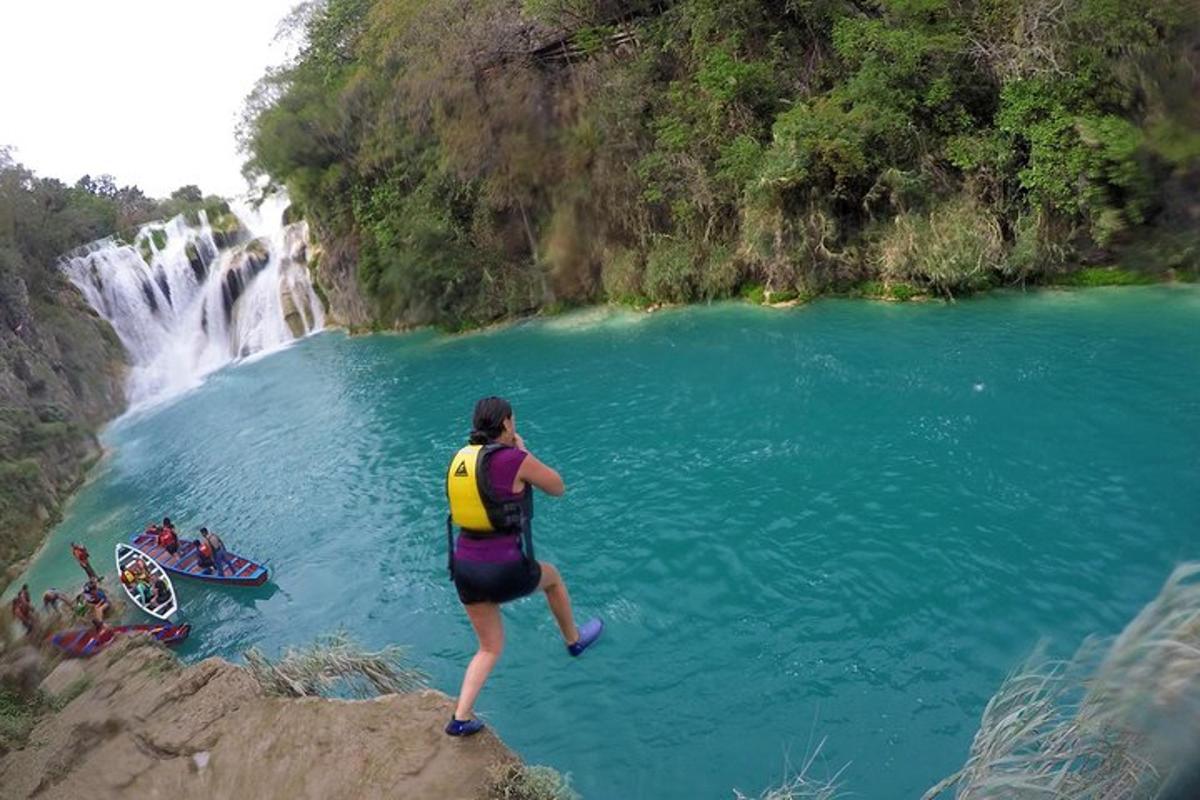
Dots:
{"x": 210, "y": 550}
{"x": 93, "y": 602}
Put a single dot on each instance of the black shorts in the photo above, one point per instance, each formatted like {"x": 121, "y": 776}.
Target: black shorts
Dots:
{"x": 487, "y": 582}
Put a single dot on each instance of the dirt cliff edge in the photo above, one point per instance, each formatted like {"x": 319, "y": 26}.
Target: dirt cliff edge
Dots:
{"x": 146, "y": 726}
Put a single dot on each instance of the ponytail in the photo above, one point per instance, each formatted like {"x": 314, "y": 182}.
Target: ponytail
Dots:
{"x": 488, "y": 421}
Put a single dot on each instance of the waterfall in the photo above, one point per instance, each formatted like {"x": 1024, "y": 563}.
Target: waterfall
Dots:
{"x": 191, "y": 295}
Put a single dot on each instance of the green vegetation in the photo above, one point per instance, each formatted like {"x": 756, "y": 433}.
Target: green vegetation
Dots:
{"x": 1102, "y": 276}
{"x": 76, "y": 688}
{"x": 18, "y": 714}
{"x": 800, "y": 147}
{"x": 60, "y": 365}
{"x": 21, "y": 709}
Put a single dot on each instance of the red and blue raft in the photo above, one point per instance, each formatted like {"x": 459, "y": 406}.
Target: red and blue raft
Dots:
{"x": 84, "y": 642}
{"x": 186, "y": 562}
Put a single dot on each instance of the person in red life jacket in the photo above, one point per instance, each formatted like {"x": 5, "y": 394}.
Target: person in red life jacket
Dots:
{"x": 22, "y": 609}
{"x": 81, "y": 555}
{"x": 489, "y": 485}
{"x": 204, "y": 554}
{"x": 216, "y": 549}
{"x": 167, "y": 538}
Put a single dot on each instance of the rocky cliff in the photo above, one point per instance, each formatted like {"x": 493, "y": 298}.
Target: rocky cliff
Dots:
{"x": 138, "y": 723}
{"x": 61, "y": 376}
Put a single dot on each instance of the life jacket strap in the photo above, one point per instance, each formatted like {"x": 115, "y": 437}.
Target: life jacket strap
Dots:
{"x": 527, "y": 536}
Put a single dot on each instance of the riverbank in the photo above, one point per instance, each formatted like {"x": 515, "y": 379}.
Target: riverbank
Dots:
{"x": 517, "y": 157}
{"x": 758, "y": 295}
{"x": 136, "y": 722}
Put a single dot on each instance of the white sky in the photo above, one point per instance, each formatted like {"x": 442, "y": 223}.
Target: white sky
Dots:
{"x": 148, "y": 91}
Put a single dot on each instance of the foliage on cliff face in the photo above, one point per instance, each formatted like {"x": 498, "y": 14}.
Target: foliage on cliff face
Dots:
{"x": 486, "y": 158}
{"x": 60, "y": 364}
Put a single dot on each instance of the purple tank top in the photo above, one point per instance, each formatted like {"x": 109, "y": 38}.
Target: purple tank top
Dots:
{"x": 502, "y": 470}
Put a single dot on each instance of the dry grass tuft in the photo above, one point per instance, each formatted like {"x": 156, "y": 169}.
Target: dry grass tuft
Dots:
{"x": 802, "y": 786}
{"x": 513, "y": 780}
{"x": 1052, "y": 731}
{"x": 332, "y": 663}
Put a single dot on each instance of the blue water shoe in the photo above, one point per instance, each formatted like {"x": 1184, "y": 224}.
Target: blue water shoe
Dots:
{"x": 463, "y": 727}
{"x": 588, "y": 632}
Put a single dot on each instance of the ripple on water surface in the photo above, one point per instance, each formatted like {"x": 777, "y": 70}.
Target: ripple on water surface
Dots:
{"x": 847, "y": 521}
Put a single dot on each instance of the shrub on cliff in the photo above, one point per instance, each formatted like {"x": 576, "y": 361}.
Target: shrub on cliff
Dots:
{"x": 457, "y": 142}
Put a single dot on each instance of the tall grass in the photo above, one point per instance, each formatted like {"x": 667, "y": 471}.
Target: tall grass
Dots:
{"x": 956, "y": 247}
{"x": 1119, "y": 720}
{"x": 334, "y": 663}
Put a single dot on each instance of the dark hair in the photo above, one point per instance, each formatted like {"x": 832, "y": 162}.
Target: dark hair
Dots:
{"x": 204, "y": 530}
{"x": 488, "y": 422}
{"x": 166, "y": 521}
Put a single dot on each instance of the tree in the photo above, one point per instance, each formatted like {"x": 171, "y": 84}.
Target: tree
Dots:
{"x": 189, "y": 194}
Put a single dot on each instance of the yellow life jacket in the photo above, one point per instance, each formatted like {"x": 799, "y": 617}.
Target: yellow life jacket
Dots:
{"x": 474, "y": 506}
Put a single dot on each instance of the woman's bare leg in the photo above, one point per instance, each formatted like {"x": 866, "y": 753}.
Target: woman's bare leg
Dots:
{"x": 489, "y": 627}
{"x": 560, "y": 601}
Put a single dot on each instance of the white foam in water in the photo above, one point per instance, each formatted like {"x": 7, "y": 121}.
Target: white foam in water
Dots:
{"x": 180, "y": 322}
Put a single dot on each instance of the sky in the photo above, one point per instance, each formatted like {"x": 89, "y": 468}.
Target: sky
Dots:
{"x": 149, "y": 91}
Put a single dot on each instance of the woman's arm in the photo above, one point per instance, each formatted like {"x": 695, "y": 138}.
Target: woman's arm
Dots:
{"x": 538, "y": 474}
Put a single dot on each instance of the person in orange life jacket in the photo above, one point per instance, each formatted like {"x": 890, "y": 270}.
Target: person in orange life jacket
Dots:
{"x": 217, "y": 552}
{"x": 167, "y": 538}
{"x": 204, "y": 553}
{"x": 490, "y": 488}
{"x": 81, "y": 555}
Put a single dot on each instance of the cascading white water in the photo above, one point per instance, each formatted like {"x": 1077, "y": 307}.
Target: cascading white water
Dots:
{"x": 186, "y": 300}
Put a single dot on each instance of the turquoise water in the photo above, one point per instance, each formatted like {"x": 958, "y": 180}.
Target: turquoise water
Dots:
{"x": 846, "y": 521}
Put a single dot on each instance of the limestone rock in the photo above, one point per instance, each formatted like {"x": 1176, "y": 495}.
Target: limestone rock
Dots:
{"x": 66, "y": 675}
{"x": 148, "y": 727}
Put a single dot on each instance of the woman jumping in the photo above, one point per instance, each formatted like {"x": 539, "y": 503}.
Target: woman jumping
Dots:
{"x": 490, "y": 487}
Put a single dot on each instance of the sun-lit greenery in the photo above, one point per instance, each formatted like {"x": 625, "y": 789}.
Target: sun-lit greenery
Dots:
{"x": 687, "y": 150}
